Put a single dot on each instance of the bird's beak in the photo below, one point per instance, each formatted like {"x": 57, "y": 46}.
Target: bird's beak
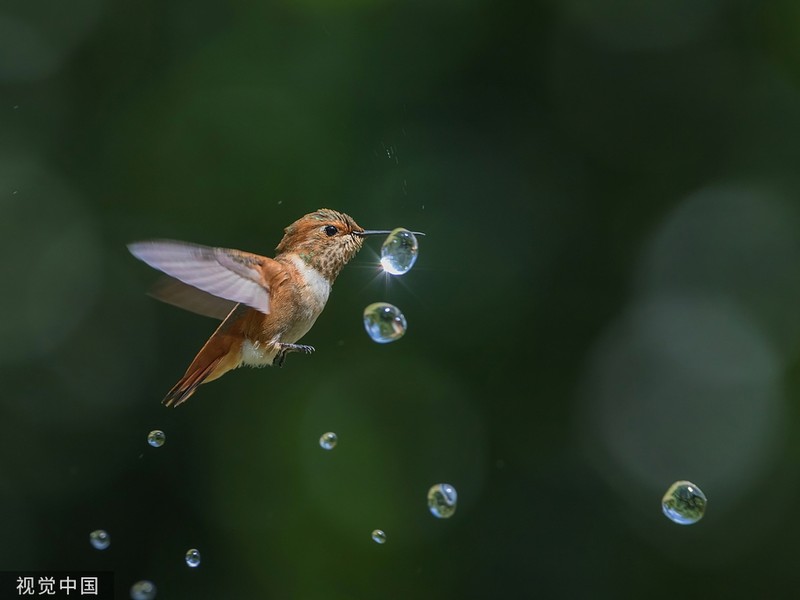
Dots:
{"x": 379, "y": 232}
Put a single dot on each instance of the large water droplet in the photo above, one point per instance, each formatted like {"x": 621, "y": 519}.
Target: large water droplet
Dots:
{"x": 684, "y": 503}
{"x": 156, "y": 438}
{"x": 193, "y": 557}
{"x": 100, "y": 539}
{"x": 399, "y": 252}
{"x": 442, "y": 499}
{"x": 378, "y": 536}
{"x": 384, "y": 322}
{"x": 143, "y": 590}
{"x": 328, "y": 440}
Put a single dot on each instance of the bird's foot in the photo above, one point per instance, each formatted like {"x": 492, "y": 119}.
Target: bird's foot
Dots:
{"x": 284, "y": 349}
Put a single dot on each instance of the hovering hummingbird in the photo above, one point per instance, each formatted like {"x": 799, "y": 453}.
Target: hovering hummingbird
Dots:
{"x": 266, "y": 304}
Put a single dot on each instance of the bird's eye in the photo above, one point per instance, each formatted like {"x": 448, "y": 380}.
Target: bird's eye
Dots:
{"x": 330, "y": 230}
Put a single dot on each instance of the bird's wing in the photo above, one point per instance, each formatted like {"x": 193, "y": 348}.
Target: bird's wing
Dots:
{"x": 174, "y": 291}
{"x": 240, "y": 277}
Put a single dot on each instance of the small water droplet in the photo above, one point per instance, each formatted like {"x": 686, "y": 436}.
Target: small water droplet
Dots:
{"x": 684, "y": 503}
{"x": 143, "y": 590}
{"x": 156, "y": 438}
{"x": 442, "y": 499}
{"x": 15, "y": 192}
{"x": 384, "y": 322}
{"x": 399, "y": 252}
{"x": 328, "y": 440}
{"x": 100, "y": 539}
{"x": 193, "y": 557}
{"x": 378, "y": 536}
{"x": 16, "y": 107}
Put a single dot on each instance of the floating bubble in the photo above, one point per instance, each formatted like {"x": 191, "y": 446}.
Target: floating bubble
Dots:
{"x": 399, "y": 252}
{"x": 328, "y": 440}
{"x": 384, "y": 322}
{"x": 442, "y": 499}
{"x": 143, "y": 590}
{"x": 193, "y": 557}
{"x": 684, "y": 503}
{"x": 100, "y": 539}
{"x": 156, "y": 438}
{"x": 378, "y": 536}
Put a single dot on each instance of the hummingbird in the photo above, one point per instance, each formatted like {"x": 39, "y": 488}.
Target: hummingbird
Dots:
{"x": 266, "y": 304}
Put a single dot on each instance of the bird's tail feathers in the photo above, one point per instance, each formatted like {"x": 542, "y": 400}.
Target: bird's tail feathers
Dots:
{"x": 219, "y": 355}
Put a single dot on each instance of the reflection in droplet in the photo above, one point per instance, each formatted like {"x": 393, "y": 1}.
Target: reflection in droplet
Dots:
{"x": 328, "y": 440}
{"x": 684, "y": 503}
{"x": 193, "y": 557}
{"x": 100, "y": 539}
{"x": 156, "y": 438}
{"x": 143, "y": 590}
{"x": 378, "y": 536}
{"x": 384, "y": 322}
{"x": 399, "y": 252}
{"x": 442, "y": 499}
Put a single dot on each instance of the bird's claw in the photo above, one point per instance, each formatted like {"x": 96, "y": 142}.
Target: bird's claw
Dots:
{"x": 280, "y": 357}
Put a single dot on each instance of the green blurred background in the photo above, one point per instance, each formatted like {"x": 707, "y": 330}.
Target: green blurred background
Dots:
{"x": 607, "y": 299}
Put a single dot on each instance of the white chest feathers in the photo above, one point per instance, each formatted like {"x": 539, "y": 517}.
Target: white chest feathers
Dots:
{"x": 317, "y": 285}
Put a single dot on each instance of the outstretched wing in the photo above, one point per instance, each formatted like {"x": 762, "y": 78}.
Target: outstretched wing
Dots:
{"x": 174, "y": 291}
{"x": 222, "y": 272}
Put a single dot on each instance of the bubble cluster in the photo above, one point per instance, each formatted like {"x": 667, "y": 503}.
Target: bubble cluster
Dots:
{"x": 684, "y": 503}
{"x": 399, "y": 252}
{"x": 384, "y": 322}
{"x": 327, "y": 441}
{"x": 442, "y": 499}
{"x": 100, "y": 539}
{"x": 156, "y": 438}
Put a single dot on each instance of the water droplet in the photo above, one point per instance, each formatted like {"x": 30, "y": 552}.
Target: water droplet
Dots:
{"x": 100, "y": 539}
{"x": 442, "y": 499}
{"x": 378, "y": 536}
{"x": 143, "y": 590}
{"x": 193, "y": 557}
{"x": 399, "y": 252}
{"x": 384, "y": 322}
{"x": 156, "y": 438}
{"x": 684, "y": 503}
{"x": 328, "y": 440}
